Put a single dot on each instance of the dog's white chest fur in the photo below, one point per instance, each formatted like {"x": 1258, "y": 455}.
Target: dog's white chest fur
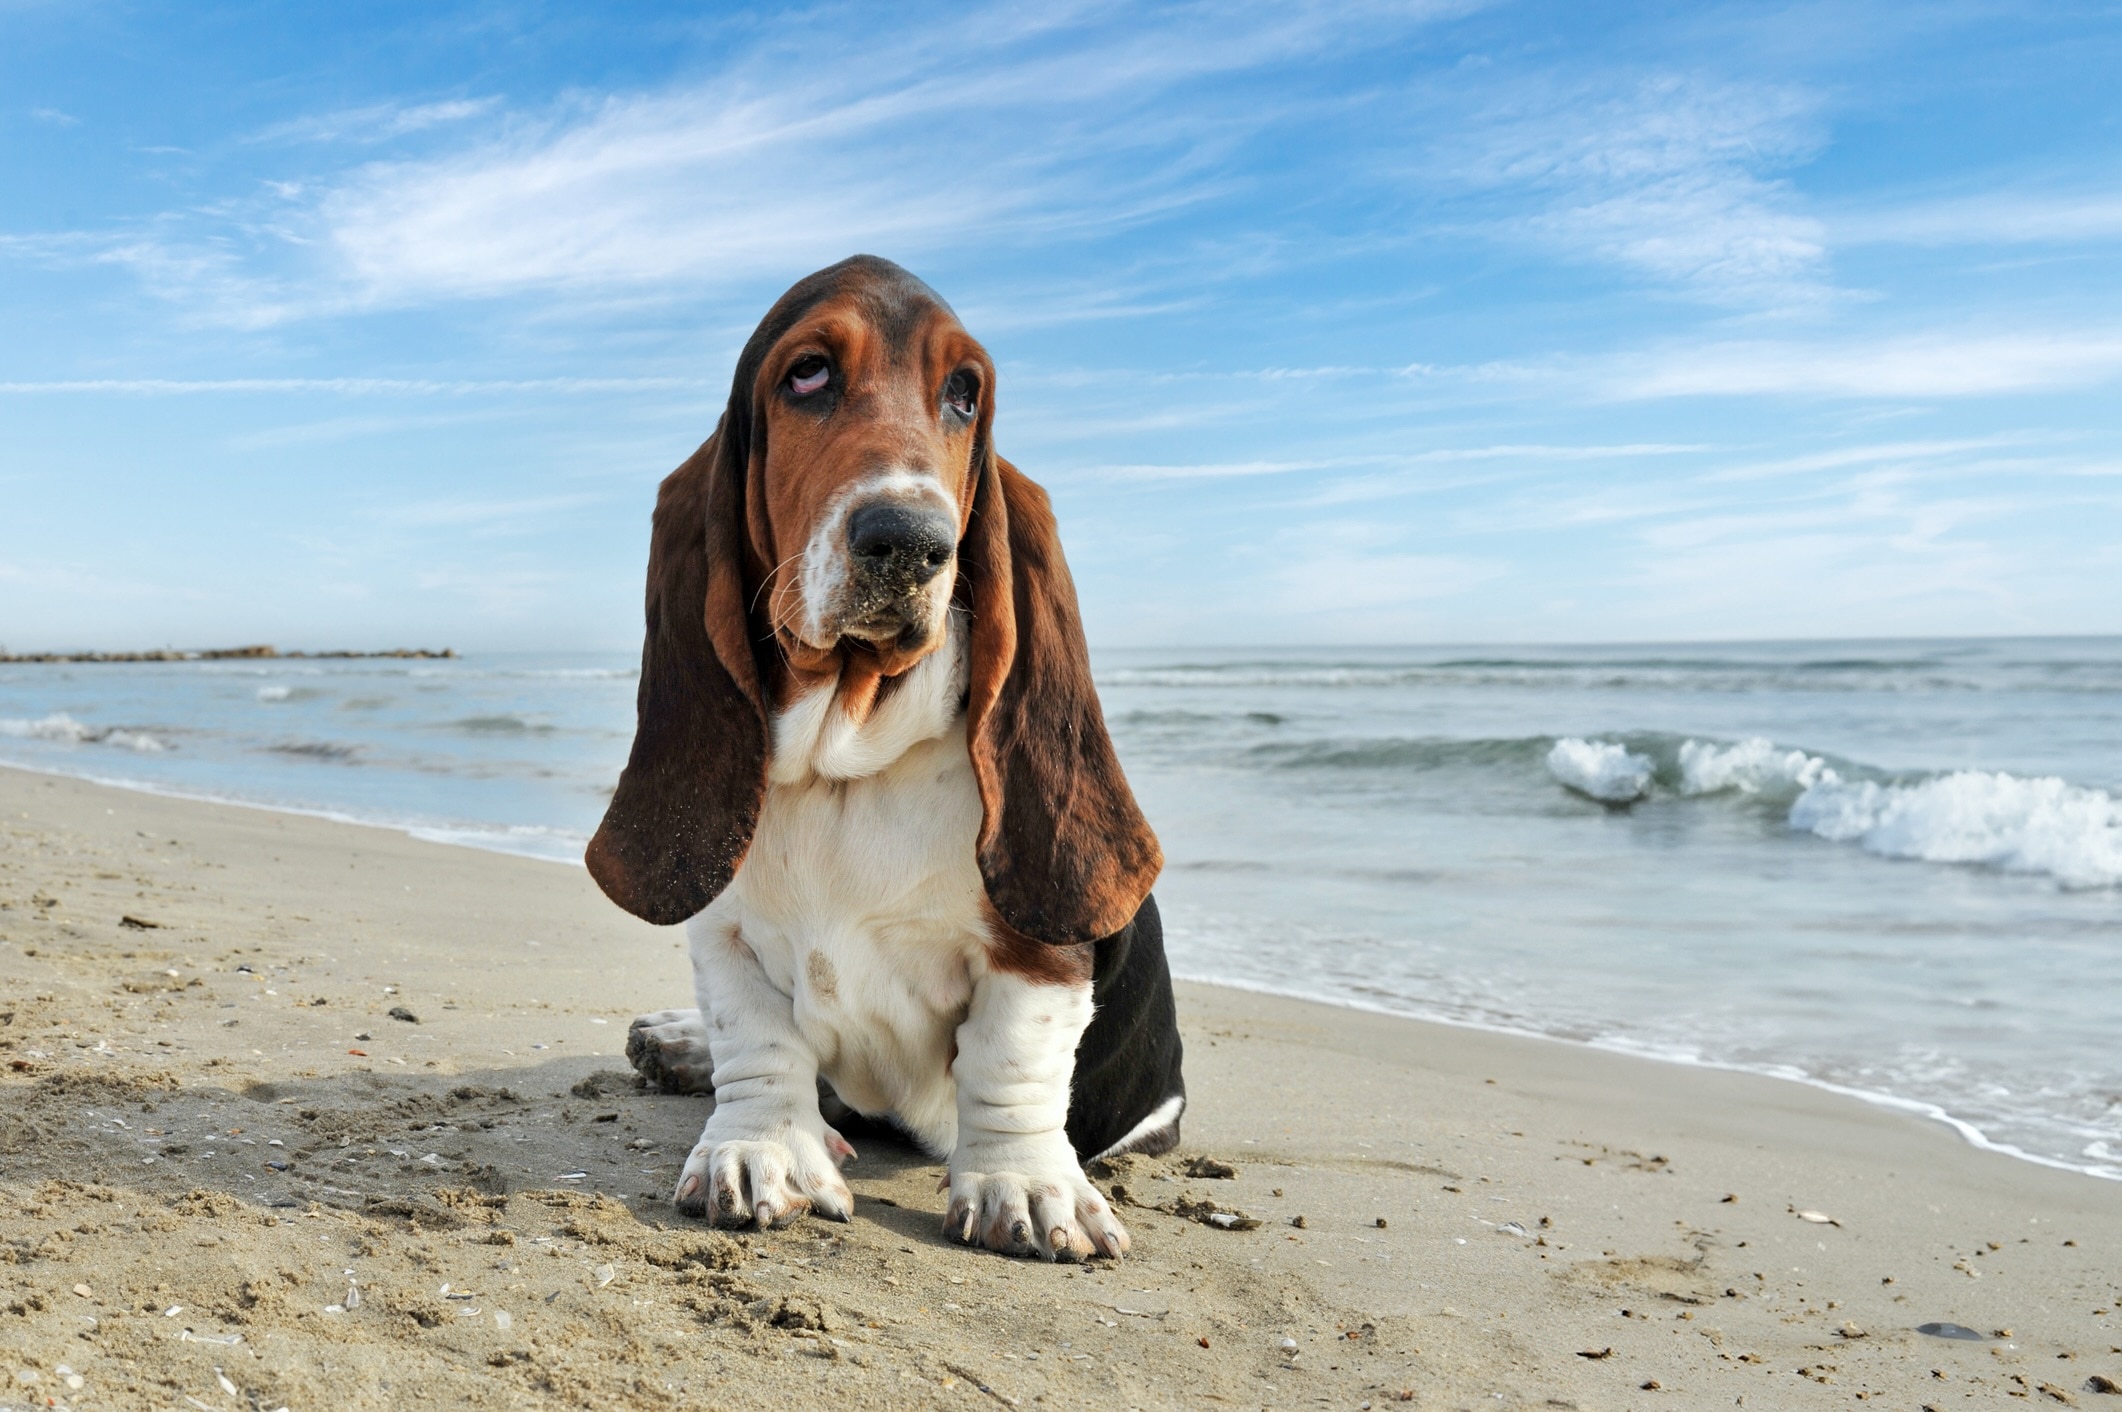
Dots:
{"x": 861, "y": 897}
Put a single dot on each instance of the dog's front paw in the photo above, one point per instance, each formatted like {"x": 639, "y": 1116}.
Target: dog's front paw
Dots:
{"x": 768, "y": 1181}
{"x": 1031, "y": 1205}
{"x": 668, "y": 1049}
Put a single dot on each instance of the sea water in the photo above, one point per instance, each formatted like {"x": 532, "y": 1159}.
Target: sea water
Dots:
{"x": 1893, "y": 868}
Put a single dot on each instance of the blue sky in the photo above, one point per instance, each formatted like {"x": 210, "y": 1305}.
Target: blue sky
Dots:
{"x": 1393, "y": 322}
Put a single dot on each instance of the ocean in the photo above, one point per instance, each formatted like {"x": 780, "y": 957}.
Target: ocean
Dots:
{"x": 1890, "y": 868}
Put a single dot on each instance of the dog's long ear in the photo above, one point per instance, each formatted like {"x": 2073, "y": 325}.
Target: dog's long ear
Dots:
{"x": 684, "y": 812}
{"x": 1066, "y": 855}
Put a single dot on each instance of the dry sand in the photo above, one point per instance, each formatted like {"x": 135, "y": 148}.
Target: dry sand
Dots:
{"x": 230, "y": 1179}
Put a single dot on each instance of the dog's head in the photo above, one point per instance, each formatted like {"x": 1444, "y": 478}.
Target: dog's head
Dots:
{"x": 850, "y": 497}
{"x": 868, "y": 407}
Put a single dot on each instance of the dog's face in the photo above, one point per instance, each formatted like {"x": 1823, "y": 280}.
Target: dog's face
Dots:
{"x": 872, "y": 405}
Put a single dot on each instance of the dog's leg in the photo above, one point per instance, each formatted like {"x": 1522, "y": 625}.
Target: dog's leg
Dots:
{"x": 1015, "y": 1184}
{"x": 766, "y": 1155}
{"x": 668, "y": 1049}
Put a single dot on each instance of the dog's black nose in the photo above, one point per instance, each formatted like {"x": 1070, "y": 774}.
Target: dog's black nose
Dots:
{"x": 907, "y": 543}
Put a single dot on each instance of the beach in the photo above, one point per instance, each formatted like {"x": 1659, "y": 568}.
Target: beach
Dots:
{"x": 301, "y": 1113}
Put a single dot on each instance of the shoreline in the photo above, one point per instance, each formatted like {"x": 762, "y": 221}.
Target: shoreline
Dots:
{"x": 1972, "y": 1135}
{"x": 424, "y": 833}
{"x": 446, "y": 836}
{"x": 212, "y": 1124}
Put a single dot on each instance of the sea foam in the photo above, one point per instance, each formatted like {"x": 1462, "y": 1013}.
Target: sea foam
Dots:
{"x": 2070, "y": 833}
{"x": 57, "y": 726}
{"x": 1601, "y": 769}
{"x": 66, "y": 730}
{"x": 1753, "y": 766}
{"x": 138, "y": 741}
{"x": 1971, "y": 816}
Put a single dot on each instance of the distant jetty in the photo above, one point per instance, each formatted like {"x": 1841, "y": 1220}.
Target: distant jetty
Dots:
{"x": 226, "y": 654}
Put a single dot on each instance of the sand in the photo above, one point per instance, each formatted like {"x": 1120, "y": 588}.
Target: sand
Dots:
{"x": 230, "y": 1178}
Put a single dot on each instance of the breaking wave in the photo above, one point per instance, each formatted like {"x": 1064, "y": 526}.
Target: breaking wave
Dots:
{"x": 65, "y": 730}
{"x": 2044, "y": 826}
{"x": 1601, "y": 769}
{"x": 1752, "y": 766}
{"x": 1971, "y": 816}
{"x": 1991, "y": 819}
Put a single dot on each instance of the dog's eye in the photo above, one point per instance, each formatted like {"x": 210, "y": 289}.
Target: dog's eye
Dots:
{"x": 809, "y": 373}
{"x": 962, "y": 393}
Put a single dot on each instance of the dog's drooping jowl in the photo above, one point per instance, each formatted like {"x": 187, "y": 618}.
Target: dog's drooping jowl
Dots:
{"x": 871, "y": 776}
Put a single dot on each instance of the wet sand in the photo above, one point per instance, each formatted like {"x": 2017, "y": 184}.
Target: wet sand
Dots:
{"x": 230, "y": 1178}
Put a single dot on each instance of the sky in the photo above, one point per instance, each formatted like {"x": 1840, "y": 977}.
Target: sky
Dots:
{"x": 1425, "y": 322}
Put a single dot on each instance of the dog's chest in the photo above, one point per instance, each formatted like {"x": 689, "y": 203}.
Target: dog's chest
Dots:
{"x": 861, "y": 898}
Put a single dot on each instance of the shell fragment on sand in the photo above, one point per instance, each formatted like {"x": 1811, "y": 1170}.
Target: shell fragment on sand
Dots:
{"x": 1208, "y": 1213}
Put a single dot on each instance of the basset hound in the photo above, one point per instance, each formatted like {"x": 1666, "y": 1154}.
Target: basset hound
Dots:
{"x": 871, "y": 776}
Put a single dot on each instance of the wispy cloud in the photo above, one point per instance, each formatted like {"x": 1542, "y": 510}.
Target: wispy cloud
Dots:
{"x": 328, "y": 430}
{"x": 1007, "y": 125}
{"x": 1945, "y": 363}
{"x": 90, "y": 580}
{"x": 1878, "y": 453}
{"x": 52, "y": 117}
{"x": 903, "y": 149}
{"x": 2000, "y": 217}
{"x": 1225, "y": 470}
{"x": 1669, "y": 176}
{"x": 378, "y": 122}
{"x": 1398, "y": 460}
{"x": 488, "y": 514}
{"x": 492, "y": 592}
{"x": 1339, "y": 570}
